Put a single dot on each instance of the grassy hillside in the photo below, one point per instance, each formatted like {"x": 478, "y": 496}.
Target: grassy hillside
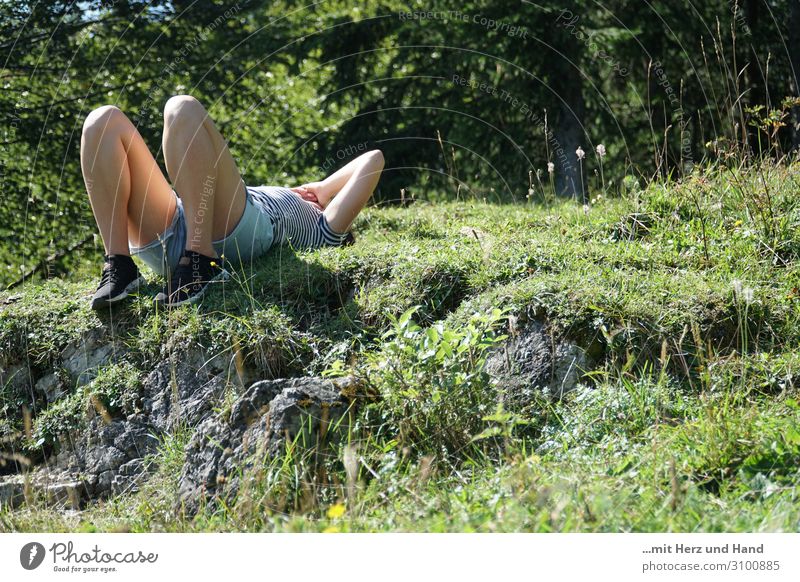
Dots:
{"x": 686, "y": 293}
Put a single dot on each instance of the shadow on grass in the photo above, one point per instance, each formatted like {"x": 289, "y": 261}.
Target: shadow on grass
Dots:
{"x": 307, "y": 292}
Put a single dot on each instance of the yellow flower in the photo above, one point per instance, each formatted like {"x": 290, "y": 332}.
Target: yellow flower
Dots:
{"x": 336, "y": 511}
{"x": 331, "y": 529}
{"x": 213, "y": 263}
{"x": 738, "y": 223}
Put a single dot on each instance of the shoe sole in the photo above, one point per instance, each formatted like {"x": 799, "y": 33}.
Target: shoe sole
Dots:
{"x": 223, "y": 276}
{"x": 131, "y": 287}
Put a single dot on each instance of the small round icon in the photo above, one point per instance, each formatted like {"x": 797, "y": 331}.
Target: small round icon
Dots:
{"x": 31, "y": 555}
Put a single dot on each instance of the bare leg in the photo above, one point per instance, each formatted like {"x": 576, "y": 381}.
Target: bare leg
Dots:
{"x": 130, "y": 197}
{"x": 353, "y": 195}
{"x": 203, "y": 172}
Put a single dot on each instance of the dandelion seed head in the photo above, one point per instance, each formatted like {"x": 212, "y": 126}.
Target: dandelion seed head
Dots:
{"x": 601, "y": 150}
{"x": 580, "y": 153}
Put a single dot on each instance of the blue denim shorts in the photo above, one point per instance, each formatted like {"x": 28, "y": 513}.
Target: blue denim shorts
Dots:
{"x": 252, "y": 237}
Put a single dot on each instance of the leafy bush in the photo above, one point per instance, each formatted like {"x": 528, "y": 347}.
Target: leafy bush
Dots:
{"x": 117, "y": 388}
{"x": 66, "y": 415}
{"x": 435, "y": 391}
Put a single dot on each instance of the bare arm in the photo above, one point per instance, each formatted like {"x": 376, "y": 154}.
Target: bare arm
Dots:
{"x": 344, "y": 193}
{"x": 352, "y": 196}
{"x": 336, "y": 181}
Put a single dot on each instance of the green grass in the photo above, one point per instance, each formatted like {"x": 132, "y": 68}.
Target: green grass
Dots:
{"x": 688, "y": 293}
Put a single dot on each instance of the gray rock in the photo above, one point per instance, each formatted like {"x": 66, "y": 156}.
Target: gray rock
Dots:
{"x": 50, "y": 386}
{"x": 12, "y": 491}
{"x": 532, "y": 361}
{"x": 128, "y": 477}
{"x": 259, "y": 423}
{"x": 570, "y": 363}
{"x": 180, "y": 390}
{"x": 65, "y": 458}
{"x": 185, "y": 389}
{"x": 132, "y": 468}
{"x": 113, "y": 449}
{"x": 83, "y": 357}
{"x": 104, "y": 483}
{"x": 123, "y": 484}
{"x": 136, "y": 440}
{"x": 15, "y": 376}
{"x": 55, "y": 489}
{"x": 100, "y": 459}
{"x": 67, "y": 494}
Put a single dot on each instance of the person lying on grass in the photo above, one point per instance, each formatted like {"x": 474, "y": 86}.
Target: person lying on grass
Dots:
{"x": 188, "y": 237}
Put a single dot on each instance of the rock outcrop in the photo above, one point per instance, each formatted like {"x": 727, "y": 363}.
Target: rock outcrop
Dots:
{"x": 110, "y": 455}
{"x": 271, "y": 415}
{"x": 532, "y": 361}
{"x": 236, "y": 424}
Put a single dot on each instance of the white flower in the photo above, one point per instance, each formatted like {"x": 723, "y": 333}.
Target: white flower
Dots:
{"x": 580, "y": 153}
{"x": 737, "y": 287}
{"x": 551, "y": 167}
{"x": 747, "y": 295}
{"x": 601, "y": 150}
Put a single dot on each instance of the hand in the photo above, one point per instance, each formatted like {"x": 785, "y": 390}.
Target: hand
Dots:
{"x": 313, "y": 192}
{"x": 308, "y": 195}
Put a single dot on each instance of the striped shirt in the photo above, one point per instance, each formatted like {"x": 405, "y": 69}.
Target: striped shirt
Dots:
{"x": 295, "y": 221}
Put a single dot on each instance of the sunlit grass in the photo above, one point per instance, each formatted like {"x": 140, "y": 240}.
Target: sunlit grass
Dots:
{"x": 687, "y": 291}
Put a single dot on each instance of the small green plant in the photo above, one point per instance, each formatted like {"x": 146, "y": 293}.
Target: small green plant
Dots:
{"x": 66, "y": 415}
{"x": 771, "y": 121}
{"x": 117, "y": 389}
{"x": 432, "y": 380}
{"x": 503, "y": 424}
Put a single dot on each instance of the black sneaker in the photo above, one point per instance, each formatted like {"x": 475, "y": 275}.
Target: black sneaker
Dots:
{"x": 191, "y": 279}
{"x": 120, "y": 278}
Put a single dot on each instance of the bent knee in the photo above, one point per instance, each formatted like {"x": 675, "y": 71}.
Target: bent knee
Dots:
{"x": 182, "y": 107}
{"x": 103, "y": 119}
{"x": 376, "y": 157}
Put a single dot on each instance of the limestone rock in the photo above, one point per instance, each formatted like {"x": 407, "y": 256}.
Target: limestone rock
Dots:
{"x": 180, "y": 390}
{"x": 12, "y": 491}
{"x": 15, "y": 376}
{"x": 57, "y": 490}
{"x": 532, "y": 361}
{"x": 259, "y": 423}
{"x": 50, "y": 386}
{"x": 82, "y": 357}
{"x": 66, "y": 494}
